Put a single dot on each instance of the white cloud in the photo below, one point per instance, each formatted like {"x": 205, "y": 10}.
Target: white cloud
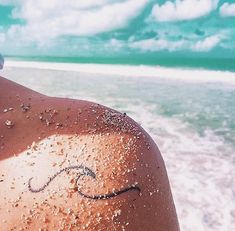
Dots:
{"x": 80, "y": 4}
{"x": 227, "y": 10}
{"x": 207, "y": 44}
{"x": 6, "y": 2}
{"x": 183, "y": 10}
{"x": 157, "y": 45}
{"x": 115, "y": 43}
{"x": 152, "y": 45}
{"x": 50, "y": 19}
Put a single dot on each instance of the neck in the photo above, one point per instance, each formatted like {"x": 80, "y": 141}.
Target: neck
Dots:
{"x": 11, "y": 93}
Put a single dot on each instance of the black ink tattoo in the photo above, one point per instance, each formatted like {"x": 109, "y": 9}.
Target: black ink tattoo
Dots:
{"x": 85, "y": 172}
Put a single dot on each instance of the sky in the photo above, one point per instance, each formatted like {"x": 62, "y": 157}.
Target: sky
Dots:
{"x": 121, "y": 28}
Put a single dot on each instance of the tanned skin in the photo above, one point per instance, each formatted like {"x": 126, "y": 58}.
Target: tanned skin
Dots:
{"x": 75, "y": 165}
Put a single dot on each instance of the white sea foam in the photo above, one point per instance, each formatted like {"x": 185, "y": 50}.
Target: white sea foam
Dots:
{"x": 200, "y": 169}
{"x": 189, "y": 75}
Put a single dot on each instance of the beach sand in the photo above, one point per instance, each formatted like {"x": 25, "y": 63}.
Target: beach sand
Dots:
{"x": 189, "y": 113}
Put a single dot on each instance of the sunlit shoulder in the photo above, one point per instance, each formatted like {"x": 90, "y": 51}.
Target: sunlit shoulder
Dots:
{"x": 73, "y": 164}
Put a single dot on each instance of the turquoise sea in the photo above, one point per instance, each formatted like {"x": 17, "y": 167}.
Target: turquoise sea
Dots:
{"x": 208, "y": 63}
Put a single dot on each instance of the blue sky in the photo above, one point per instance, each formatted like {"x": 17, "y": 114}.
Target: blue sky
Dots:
{"x": 117, "y": 28}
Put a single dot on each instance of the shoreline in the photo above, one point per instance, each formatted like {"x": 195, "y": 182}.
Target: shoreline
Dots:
{"x": 186, "y": 75}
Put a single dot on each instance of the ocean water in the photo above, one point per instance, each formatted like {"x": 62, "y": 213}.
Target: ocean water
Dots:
{"x": 193, "y": 124}
{"x": 164, "y": 60}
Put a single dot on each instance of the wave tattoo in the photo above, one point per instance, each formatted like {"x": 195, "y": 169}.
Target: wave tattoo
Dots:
{"x": 85, "y": 172}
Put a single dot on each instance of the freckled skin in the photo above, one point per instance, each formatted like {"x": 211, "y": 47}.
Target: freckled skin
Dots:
{"x": 41, "y": 135}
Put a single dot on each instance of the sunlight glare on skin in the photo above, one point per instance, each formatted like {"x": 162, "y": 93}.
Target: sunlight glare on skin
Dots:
{"x": 42, "y": 160}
